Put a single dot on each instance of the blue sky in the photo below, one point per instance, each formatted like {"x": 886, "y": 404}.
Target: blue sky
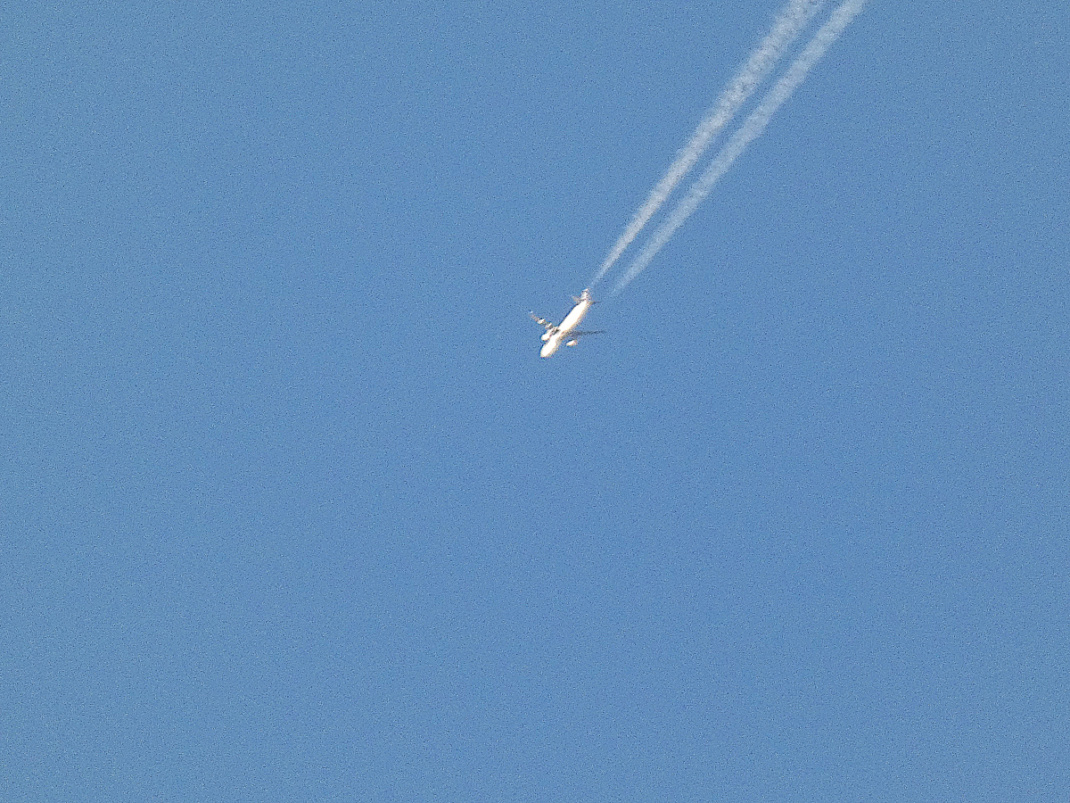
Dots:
{"x": 291, "y": 509}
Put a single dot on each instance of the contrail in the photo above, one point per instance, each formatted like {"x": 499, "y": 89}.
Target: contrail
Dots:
{"x": 751, "y": 128}
{"x": 787, "y": 25}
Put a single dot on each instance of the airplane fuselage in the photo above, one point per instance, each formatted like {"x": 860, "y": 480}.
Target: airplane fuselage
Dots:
{"x": 555, "y": 337}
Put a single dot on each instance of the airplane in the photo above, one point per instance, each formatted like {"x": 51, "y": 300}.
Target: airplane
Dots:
{"x": 565, "y": 332}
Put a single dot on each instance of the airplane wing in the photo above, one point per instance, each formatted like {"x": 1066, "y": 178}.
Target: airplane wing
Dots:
{"x": 542, "y": 321}
{"x": 580, "y": 334}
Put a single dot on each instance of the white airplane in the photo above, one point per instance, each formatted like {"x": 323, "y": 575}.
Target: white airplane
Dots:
{"x": 565, "y": 332}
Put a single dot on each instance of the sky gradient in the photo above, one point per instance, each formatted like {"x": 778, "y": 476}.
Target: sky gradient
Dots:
{"x": 290, "y": 508}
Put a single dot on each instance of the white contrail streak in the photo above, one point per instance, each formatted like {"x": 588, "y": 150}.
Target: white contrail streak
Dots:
{"x": 751, "y": 128}
{"x": 787, "y": 25}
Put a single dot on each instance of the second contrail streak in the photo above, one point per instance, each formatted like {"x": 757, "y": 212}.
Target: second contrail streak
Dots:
{"x": 750, "y": 130}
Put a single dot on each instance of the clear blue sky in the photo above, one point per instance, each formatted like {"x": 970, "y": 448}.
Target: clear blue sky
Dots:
{"x": 290, "y": 509}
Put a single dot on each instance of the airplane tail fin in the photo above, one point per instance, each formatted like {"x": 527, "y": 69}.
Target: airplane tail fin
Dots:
{"x": 584, "y": 296}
